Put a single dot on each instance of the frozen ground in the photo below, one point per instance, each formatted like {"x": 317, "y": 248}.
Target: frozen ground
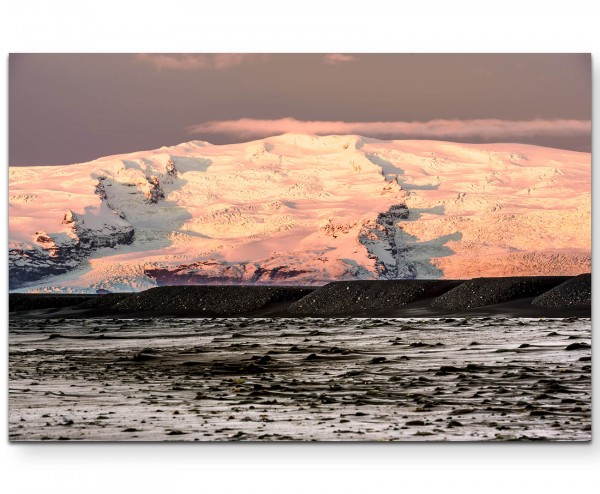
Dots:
{"x": 300, "y": 379}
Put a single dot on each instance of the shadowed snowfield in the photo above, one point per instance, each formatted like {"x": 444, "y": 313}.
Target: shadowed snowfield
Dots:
{"x": 327, "y": 379}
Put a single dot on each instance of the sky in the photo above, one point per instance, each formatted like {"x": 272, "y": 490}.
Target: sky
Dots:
{"x": 70, "y": 108}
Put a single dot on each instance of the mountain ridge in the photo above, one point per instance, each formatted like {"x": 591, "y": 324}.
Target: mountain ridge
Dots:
{"x": 299, "y": 209}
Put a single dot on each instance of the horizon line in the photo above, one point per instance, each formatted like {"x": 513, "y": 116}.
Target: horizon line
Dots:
{"x": 305, "y": 134}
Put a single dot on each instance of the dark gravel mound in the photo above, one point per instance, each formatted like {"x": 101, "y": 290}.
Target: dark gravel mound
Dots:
{"x": 210, "y": 301}
{"x": 35, "y": 301}
{"x": 480, "y": 292}
{"x": 575, "y": 293}
{"x": 104, "y": 301}
{"x": 366, "y": 297}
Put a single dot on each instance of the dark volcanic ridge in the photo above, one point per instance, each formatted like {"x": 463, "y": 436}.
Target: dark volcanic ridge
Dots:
{"x": 540, "y": 296}
{"x": 367, "y": 297}
{"x": 35, "y": 301}
{"x": 480, "y": 292}
{"x": 104, "y": 301}
{"x": 574, "y": 293}
{"x": 212, "y": 301}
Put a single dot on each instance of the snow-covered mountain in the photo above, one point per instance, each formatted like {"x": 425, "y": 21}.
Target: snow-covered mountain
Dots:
{"x": 299, "y": 209}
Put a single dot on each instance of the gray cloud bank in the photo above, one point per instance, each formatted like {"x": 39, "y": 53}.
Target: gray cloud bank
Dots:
{"x": 487, "y": 129}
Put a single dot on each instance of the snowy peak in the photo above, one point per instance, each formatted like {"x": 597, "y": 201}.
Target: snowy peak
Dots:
{"x": 299, "y": 209}
{"x": 331, "y": 143}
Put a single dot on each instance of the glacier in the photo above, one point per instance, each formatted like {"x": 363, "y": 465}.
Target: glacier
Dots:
{"x": 299, "y": 210}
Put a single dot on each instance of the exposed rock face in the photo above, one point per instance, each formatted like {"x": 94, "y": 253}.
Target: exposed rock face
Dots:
{"x": 109, "y": 236}
{"x": 56, "y": 254}
{"x": 335, "y": 230}
{"x": 381, "y": 240}
{"x": 53, "y": 254}
{"x": 170, "y": 167}
{"x": 153, "y": 191}
{"x": 280, "y": 271}
{"x": 100, "y": 190}
{"x": 27, "y": 265}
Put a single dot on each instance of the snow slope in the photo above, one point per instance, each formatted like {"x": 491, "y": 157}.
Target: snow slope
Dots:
{"x": 299, "y": 209}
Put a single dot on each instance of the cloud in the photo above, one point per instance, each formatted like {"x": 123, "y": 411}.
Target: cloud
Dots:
{"x": 336, "y": 58}
{"x": 489, "y": 129}
{"x": 201, "y": 61}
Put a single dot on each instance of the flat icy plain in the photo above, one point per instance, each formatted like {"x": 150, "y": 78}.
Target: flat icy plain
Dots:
{"x": 334, "y": 379}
